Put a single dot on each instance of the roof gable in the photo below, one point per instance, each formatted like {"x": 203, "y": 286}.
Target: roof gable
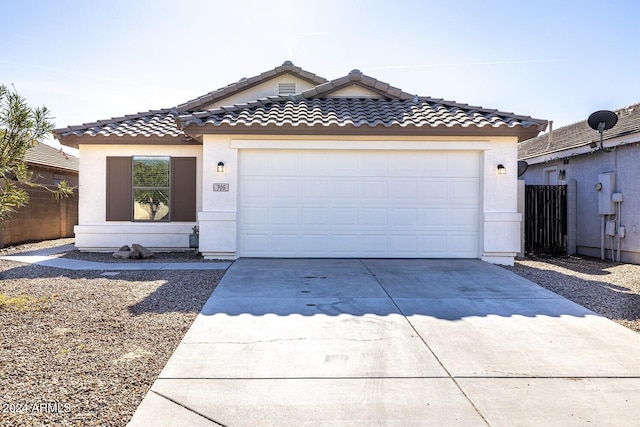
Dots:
{"x": 580, "y": 135}
{"x": 218, "y": 96}
{"x": 355, "y": 80}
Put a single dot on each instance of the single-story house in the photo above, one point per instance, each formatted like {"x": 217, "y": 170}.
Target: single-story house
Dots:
{"x": 290, "y": 164}
{"x": 602, "y": 175}
{"x": 44, "y": 217}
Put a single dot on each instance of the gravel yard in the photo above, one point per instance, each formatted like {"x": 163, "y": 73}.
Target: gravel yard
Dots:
{"x": 82, "y": 348}
{"x": 611, "y": 289}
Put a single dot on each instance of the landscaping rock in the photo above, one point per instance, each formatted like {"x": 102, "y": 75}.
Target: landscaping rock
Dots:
{"x": 146, "y": 253}
{"x": 124, "y": 248}
{"x": 122, "y": 254}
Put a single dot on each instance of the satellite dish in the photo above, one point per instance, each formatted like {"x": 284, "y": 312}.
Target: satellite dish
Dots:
{"x": 602, "y": 120}
{"x": 605, "y": 118}
{"x": 522, "y": 167}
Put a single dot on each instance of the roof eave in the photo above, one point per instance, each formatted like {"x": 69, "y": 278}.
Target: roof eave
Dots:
{"x": 74, "y": 141}
{"x": 518, "y": 131}
{"x": 51, "y": 167}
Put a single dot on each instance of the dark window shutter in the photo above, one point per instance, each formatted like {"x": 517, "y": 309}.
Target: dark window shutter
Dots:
{"x": 119, "y": 206}
{"x": 183, "y": 189}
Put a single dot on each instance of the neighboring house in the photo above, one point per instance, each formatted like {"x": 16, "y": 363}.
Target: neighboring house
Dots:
{"x": 288, "y": 164}
{"x": 573, "y": 154}
{"x": 44, "y": 217}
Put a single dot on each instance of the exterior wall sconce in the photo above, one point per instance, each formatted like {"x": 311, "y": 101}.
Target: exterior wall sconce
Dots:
{"x": 561, "y": 174}
{"x": 502, "y": 170}
{"x": 220, "y": 167}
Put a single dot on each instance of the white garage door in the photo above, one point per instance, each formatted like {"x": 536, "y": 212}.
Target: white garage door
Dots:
{"x": 382, "y": 204}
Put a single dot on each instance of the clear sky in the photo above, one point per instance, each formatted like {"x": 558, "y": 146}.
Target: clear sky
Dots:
{"x": 94, "y": 59}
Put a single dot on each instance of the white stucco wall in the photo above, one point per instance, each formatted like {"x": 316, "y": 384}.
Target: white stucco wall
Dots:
{"x": 95, "y": 233}
{"x": 501, "y": 218}
{"x": 500, "y": 222}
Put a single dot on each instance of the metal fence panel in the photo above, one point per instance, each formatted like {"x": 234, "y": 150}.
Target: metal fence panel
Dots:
{"x": 546, "y": 219}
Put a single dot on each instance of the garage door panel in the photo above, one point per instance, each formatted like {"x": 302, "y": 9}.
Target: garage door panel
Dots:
{"x": 252, "y": 188}
{"x": 465, "y": 218}
{"x": 315, "y": 216}
{"x": 372, "y": 165}
{"x": 434, "y": 165}
{"x": 283, "y": 216}
{"x": 342, "y": 189}
{"x": 405, "y": 164}
{"x": 464, "y": 165}
{"x": 465, "y": 244}
{"x": 286, "y": 163}
{"x": 314, "y": 244}
{"x": 314, "y": 191}
{"x": 374, "y": 244}
{"x": 283, "y": 244}
{"x": 434, "y": 245}
{"x": 374, "y": 217}
{"x": 256, "y": 216}
{"x": 433, "y": 218}
{"x": 358, "y": 203}
{"x": 343, "y": 216}
{"x": 374, "y": 190}
{"x": 433, "y": 191}
{"x": 404, "y": 217}
{"x": 406, "y": 190}
{"x": 344, "y": 244}
{"x": 282, "y": 190}
{"x": 259, "y": 243}
{"x": 464, "y": 191}
{"x": 405, "y": 245}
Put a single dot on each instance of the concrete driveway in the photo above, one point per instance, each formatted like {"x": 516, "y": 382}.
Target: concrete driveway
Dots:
{"x": 394, "y": 342}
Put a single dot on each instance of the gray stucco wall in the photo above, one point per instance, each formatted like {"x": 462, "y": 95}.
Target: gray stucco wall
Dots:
{"x": 625, "y": 162}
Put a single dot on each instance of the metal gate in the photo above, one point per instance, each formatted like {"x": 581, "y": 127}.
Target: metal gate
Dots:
{"x": 545, "y": 219}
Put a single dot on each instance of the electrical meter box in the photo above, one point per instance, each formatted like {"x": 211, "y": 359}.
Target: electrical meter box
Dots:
{"x": 607, "y": 186}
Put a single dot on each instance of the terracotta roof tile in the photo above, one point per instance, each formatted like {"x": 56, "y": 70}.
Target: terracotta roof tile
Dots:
{"x": 580, "y": 134}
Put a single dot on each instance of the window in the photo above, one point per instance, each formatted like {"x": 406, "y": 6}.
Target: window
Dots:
{"x": 151, "y": 188}
{"x": 148, "y": 188}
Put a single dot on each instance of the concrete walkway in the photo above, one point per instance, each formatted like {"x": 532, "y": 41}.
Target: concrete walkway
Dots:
{"x": 394, "y": 342}
{"x": 48, "y": 258}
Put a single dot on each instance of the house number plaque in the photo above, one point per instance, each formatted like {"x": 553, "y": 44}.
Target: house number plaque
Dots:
{"x": 220, "y": 187}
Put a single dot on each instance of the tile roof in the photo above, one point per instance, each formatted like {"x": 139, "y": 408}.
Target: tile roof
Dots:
{"x": 392, "y": 108}
{"x": 45, "y": 155}
{"x": 580, "y": 134}
{"x": 158, "y": 123}
{"x": 363, "y": 112}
